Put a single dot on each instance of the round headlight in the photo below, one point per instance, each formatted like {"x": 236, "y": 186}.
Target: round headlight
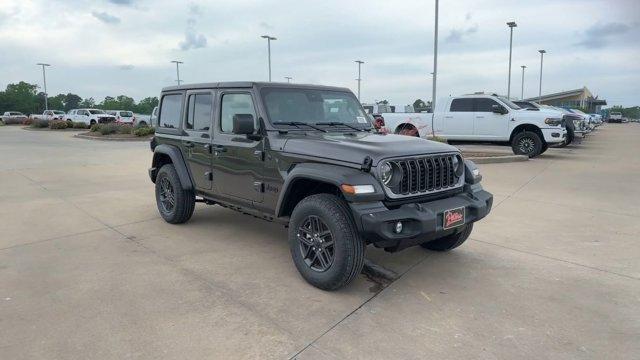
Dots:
{"x": 458, "y": 165}
{"x": 386, "y": 173}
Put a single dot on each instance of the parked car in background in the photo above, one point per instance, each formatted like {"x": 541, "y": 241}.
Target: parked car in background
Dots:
{"x": 123, "y": 116}
{"x": 567, "y": 117}
{"x": 615, "y": 117}
{"x": 90, "y": 116}
{"x": 587, "y": 118}
{"x": 49, "y": 115}
{"x": 153, "y": 119}
{"x": 402, "y": 120}
{"x": 490, "y": 117}
{"x": 13, "y": 117}
{"x": 142, "y": 120}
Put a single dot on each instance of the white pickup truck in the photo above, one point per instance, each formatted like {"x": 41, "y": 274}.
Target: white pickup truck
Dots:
{"x": 49, "y": 115}
{"x": 89, "y": 116}
{"x": 406, "y": 122}
{"x": 490, "y": 117}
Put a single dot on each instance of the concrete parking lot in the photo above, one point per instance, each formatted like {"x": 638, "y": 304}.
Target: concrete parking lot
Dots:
{"x": 89, "y": 270}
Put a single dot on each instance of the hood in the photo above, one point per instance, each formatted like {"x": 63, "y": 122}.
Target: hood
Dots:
{"x": 354, "y": 148}
{"x": 542, "y": 113}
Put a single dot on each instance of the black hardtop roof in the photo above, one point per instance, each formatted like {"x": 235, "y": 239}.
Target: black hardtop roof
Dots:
{"x": 249, "y": 84}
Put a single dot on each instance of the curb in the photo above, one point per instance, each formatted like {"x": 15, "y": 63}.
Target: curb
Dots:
{"x": 48, "y": 129}
{"x": 498, "y": 159}
{"x": 137, "y": 139}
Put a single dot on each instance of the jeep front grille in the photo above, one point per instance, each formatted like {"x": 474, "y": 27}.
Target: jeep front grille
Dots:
{"x": 426, "y": 175}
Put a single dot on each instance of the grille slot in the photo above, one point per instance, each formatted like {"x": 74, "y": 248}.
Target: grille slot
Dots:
{"x": 426, "y": 174}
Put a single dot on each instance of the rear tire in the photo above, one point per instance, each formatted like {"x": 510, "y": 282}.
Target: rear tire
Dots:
{"x": 449, "y": 242}
{"x": 324, "y": 242}
{"x": 175, "y": 204}
{"x": 526, "y": 143}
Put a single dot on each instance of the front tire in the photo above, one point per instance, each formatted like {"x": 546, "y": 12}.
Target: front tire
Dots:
{"x": 175, "y": 204}
{"x": 449, "y": 242}
{"x": 527, "y": 143}
{"x": 324, "y": 242}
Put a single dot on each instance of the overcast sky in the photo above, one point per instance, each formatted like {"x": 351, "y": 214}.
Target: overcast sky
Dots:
{"x": 112, "y": 47}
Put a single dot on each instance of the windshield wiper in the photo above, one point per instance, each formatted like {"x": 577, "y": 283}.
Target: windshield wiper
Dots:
{"x": 337, "y": 123}
{"x": 297, "y": 124}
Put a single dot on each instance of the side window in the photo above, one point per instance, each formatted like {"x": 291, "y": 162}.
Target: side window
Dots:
{"x": 462, "y": 105}
{"x": 484, "y": 104}
{"x": 199, "y": 112}
{"x": 234, "y": 104}
{"x": 170, "y": 111}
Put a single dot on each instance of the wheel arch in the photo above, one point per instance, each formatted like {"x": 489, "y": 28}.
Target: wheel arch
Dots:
{"x": 526, "y": 127}
{"x": 166, "y": 154}
{"x": 406, "y": 125}
{"x": 309, "y": 179}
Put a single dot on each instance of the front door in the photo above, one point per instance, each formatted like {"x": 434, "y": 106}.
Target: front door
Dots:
{"x": 237, "y": 160}
{"x": 487, "y": 124}
{"x": 458, "y": 121}
{"x": 196, "y": 143}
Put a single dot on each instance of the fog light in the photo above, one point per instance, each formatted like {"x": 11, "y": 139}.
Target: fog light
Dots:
{"x": 555, "y": 134}
{"x": 398, "y": 228}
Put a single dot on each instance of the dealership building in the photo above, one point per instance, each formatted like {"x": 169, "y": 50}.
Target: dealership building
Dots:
{"x": 578, "y": 98}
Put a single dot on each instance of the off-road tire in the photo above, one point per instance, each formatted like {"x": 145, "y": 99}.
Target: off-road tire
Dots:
{"x": 531, "y": 139}
{"x": 449, "y": 242}
{"x": 184, "y": 200}
{"x": 348, "y": 247}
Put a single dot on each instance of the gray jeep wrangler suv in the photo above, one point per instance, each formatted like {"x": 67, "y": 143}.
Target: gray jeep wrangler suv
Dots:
{"x": 308, "y": 157}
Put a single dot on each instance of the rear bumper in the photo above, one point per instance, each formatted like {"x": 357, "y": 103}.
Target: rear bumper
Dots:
{"x": 421, "y": 222}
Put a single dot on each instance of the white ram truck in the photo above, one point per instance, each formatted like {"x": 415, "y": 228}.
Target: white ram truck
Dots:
{"x": 89, "y": 116}
{"x": 408, "y": 122}
{"x": 49, "y": 115}
{"x": 490, "y": 117}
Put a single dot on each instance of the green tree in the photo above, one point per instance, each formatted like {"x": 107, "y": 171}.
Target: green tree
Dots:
{"x": 146, "y": 105}
{"x": 419, "y": 105}
{"x": 20, "y": 97}
{"x": 71, "y": 101}
{"x": 87, "y": 103}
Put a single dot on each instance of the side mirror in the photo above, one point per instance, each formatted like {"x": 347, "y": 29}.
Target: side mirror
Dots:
{"x": 243, "y": 124}
{"x": 498, "y": 109}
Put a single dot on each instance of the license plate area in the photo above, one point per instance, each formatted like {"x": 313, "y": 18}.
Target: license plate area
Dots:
{"x": 453, "y": 217}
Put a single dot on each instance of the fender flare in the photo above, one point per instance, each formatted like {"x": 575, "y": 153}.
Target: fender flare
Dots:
{"x": 335, "y": 175}
{"x": 178, "y": 163}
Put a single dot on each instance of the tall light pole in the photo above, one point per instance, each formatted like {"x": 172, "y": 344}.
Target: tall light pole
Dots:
{"x": 177, "y": 69}
{"x": 435, "y": 71}
{"x": 44, "y": 80}
{"x": 269, "y": 38}
{"x": 542, "y": 52}
{"x": 522, "y": 90}
{"x": 511, "y": 25}
{"x": 359, "y": 62}
{"x": 288, "y": 78}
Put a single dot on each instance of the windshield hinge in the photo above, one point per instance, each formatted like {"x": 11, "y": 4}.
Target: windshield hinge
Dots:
{"x": 366, "y": 164}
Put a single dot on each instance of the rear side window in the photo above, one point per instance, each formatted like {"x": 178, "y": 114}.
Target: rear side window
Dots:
{"x": 462, "y": 105}
{"x": 199, "y": 112}
{"x": 170, "y": 111}
{"x": 484, "y": 104}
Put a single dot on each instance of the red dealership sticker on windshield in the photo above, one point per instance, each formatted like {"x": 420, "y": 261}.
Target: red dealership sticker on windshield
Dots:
{"x": 453, "y": 218}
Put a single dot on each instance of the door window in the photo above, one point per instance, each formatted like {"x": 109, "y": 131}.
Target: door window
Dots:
{"x": 485, "y": 105}
{"x": 462, "y": 105}
{"x": 199, "y": 112}
{"x": 170, "y": 111}
{"x": 233, "y": 104}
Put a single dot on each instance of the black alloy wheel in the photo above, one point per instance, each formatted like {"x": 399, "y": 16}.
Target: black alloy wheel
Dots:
{"x": 316, "y": 243}
{"x": 167, "y": 195}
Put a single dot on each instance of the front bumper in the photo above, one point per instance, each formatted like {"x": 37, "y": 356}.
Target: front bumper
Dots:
{"x": 554, "y": 135}
{"x": 422, "y": 222}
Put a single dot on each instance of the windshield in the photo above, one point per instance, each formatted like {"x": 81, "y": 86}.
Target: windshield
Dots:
{"x": 509, "y": 103}
{"x": 58, "y": 112}
{"x": 312, "y": 106}
{"x": 94, "y": 111}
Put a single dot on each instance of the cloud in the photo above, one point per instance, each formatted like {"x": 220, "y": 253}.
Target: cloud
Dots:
{"x": 456, "y": 35}
{"x": 597, "y": 35}
{"x": 193, "y": 39}
{"x": 122, "y": 2}
{"x": 105, "y": 17}
{"x": 265, "y": 25}
{"x": 126, "y": 67}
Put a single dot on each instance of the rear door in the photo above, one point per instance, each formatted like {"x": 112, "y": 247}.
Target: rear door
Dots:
{"x": 487, "y": 124}
{"x": 196, "y": 142}
{"x": 458, "y": 120}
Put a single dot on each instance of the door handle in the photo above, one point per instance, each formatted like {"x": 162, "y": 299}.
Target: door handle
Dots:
{"x": 188, "y": 144}
{"x": 207, "y": 148}
{"x": 219, "y": 148}
{"x": 479, "y": 117}
{"x": 448, "y": 117}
